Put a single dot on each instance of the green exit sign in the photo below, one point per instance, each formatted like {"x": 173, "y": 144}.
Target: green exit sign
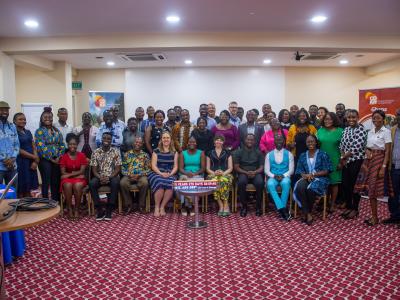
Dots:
{"x": 76, "y": 85}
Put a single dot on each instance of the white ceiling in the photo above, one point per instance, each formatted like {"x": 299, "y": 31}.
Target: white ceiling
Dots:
{"x": 218, "y": 59}
{"x": 85, "y": 17}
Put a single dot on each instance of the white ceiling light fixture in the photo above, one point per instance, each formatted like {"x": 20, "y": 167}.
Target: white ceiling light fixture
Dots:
{"x": 267, "y": 61}
{"x": 188, "y": 61}
{"x": 110, "y": 63}
{"x": 343, "y": 62}
{"x": 319, "y": 19}
{"x": 173, "y": 19}
{"x": 31, "y": 24}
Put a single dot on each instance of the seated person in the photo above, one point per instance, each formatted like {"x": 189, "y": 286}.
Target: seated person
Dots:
{"x": 279, "y": 166}
{"x": 249, "y": 164}
{"x": 314, "y": 167}
{"x": 73, "y": 166}
{"x": 106, "y": 165}
{"x": 164, "y": 164}
{"x": 192, "y": 164}
{"x": 219, "y": 167}
{"x": 135, "y": 168}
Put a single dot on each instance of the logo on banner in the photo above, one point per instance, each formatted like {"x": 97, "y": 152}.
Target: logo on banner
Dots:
{"x": 372, "y": 98}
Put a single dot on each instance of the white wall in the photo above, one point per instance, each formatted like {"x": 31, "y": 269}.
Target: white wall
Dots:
{"x": 189, "y": 87}
{"x": 7, "y": 82}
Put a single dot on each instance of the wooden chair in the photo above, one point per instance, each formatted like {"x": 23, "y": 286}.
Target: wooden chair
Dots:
{"x": 86, "y": 194}
{"x": 279, "y": 191}
{"x": 323, "y": 198}
{"x": 252, "y": 189}
{"x": 136, "y": 190}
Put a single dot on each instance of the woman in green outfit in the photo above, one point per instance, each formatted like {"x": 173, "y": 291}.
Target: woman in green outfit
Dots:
{"x": 329, "y": 136}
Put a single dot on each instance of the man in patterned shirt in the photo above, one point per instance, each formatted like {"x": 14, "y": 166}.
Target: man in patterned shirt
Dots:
{"x": 106, "y": 165}
{"x": 135, "y": 167}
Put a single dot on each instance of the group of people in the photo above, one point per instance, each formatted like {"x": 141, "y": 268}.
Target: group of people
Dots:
{"x": 309, "y": 153}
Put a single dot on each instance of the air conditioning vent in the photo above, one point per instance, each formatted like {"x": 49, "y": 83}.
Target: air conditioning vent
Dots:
{"x": 320, "y": 56}
{"x": 140, "y": 57}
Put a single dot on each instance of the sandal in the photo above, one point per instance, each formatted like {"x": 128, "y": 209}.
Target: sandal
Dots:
{"x": 371, "y": 222}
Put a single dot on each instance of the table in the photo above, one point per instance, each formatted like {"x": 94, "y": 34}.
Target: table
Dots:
{"x": 195, "y": 189}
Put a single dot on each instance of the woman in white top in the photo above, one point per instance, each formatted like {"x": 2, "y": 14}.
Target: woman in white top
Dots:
{"x": 371, "y": 178}
{"x": 87, "y": 135}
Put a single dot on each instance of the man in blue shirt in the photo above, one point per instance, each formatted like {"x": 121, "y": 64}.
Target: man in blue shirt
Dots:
{"x": 9, "y": 145}
{"x": 233, "y": 110}
{"x": 109, "y": 126}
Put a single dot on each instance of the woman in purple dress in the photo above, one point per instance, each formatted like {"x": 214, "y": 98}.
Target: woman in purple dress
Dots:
{"x": 228, "y": 131}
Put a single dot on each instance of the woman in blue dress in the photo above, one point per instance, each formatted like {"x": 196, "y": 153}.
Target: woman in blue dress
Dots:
{"x": 164, "y": 164}
{"x": 314, "y": 167}
{"x": 27, "y": 160}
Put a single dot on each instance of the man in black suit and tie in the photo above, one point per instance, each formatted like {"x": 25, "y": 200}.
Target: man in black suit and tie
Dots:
{"x": 250, "y": 127}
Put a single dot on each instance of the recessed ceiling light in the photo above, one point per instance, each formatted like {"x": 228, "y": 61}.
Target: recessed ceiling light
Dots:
{"x": 31, "y": 24}
{"x": 343, "y": 62}
{"x": 110, "y": 63}
{"x": 267, "y": 61}
{"x": 188, "y": 61}
{"x": 319, "y": 19}
{"x": 173, "y": 19}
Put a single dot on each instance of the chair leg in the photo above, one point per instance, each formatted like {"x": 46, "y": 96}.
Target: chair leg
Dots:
{"x": 148, "y": 201}
{"x": 324, "y": 211}
{"x": 119, "y": 204}
{"x": 62, "y": 205}
{"x": 265, "y": 202}
{"x": 295, "y": 209}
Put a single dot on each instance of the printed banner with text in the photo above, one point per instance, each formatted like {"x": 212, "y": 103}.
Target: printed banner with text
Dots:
{"x": 386, "y": 99}
{"x": 100, "y": 101}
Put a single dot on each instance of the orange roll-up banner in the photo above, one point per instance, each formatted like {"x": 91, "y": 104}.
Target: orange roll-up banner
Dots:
{"x": 386, "y": 99}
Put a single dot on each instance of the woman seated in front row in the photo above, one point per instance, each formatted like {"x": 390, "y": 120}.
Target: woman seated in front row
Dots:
{"x": 192, "y": 164}
{"x": 73, "y": 165}
{"x": 314, "y": 167}
{"x": 220, "y": 167}
{"x": 164, "y": 163}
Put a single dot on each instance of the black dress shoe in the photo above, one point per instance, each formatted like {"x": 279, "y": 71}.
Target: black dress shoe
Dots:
{"x": 258, "y": 212}
{"x": 243, "y": 212}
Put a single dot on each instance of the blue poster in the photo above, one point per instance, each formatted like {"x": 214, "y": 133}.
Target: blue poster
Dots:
{"x": 101, "y": 101}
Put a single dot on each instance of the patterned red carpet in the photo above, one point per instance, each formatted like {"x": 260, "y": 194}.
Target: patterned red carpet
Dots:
{"x": 142, "y": 257}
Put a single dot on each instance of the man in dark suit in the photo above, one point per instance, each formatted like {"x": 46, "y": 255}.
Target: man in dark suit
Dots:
{"x": 251, "y": 127}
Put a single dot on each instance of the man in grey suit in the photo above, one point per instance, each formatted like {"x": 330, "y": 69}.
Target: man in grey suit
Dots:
{"x": 250, "y": 127}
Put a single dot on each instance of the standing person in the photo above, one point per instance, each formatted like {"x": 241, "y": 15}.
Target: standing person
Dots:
{"x": 150, "y": 119}
{"x": 340, "y": 112}
{"x": 293, "y": 112}
{"x": 240, "y": 113}
{"x": 27, "y": 159}
{"x": 130, "y": 134}
{"x": 139, "y": 115}
{"x": 164, "y": 165}
{"x": 204, "y": 137}
{"x": 178, "y": 110}
{"x": 106, "y": 165}
{"x": 192, "y": 165}
{"x": 266, "y": 109}
{"x": 73, "y": 168}
{"x": 153, "y": 132}
{"x": 284, "y": 119}
{"x": 267, "y": 142}
{"x": 322, "y": 111}
{"x": 313, "y": 166}
{"x": 249, "y": 165}
{"x": 182, "y": 131}
{"x": 212, "y": 112}
{"x": 87, "y": 135}
{"x": 352, "y": 148}
{"x": 394, "y": 168}
{"x": 171, "y": 119}
{"x": 62, "y": 124}
{"x": 373, "y": 170}
{"x": 9, "y": 146}
{"x": 135, "y": 168}
{"x": 115, "y": 114}
{"x": 298, "y": 133}
{"x": 219, "y": 166}
{"x": 228, "y": 131}
{"x": 50, "y": 147}
{"x": 279, "y": 166}
{"x": 250, "y": 127}
{"x": 313, "y": 112}
{"x": 203, "y": 111}
{"x": 271, "y": 115}
{"x": 233, "y": 110}
{"x": 329, "y": 136}
{"x": 110, "y": 126}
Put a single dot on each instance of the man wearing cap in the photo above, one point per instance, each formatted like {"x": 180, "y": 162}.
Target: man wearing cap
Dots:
{"x": 9, "y": 145}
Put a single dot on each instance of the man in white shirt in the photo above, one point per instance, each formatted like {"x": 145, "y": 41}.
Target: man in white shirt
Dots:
{"x": 62, "y": 125}
{"x": 233, "y": 110}
{"x": 279, "y": 166}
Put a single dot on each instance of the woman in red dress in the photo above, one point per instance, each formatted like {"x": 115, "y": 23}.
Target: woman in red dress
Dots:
{"x": 73, "y": 165}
